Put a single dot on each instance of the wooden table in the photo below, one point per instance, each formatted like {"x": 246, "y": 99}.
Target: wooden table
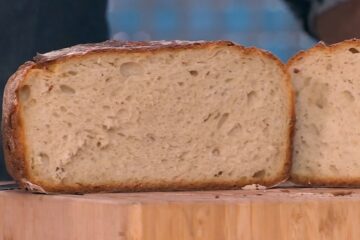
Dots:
{"x": 285, "y": 213}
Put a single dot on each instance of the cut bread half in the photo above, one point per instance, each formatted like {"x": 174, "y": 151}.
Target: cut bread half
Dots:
{"x": 327, "y": 135}
{"x": 141, "y": 116}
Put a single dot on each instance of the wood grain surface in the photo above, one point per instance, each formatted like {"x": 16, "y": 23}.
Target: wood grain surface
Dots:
{"x": 285, "y": 213}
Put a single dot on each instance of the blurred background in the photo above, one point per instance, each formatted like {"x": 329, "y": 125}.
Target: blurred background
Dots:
{"x": 268, "y": 24}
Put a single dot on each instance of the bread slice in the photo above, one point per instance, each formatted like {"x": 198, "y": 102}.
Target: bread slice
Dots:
{"x": 327, "y": 135}
{"x": 174, "y": 115}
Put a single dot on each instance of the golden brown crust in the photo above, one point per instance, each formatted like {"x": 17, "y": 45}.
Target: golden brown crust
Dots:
{"x": 122, "y": 46}
{"x": 13, "y": 133}
{"x": 321, "y": 46}
{"x": 153, "y": 186}
{"x": 12, "y": 127}
{"x": 316, "y": 180}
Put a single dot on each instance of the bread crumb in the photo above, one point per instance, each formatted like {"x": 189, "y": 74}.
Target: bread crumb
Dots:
{"x": 285, "y": 190}
{"x": 342, "y": 193}
{"x": 32, "y": 187}
{"x": 254, "y": 187}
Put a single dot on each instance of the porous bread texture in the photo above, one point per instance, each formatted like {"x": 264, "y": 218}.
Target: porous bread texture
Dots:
{"x": 203, "y": 117}
{"x": 327, "y": 132}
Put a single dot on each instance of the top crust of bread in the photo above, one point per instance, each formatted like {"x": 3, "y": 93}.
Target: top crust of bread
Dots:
{"x": 321, "y": 47}
{"x": 12, "y": 123}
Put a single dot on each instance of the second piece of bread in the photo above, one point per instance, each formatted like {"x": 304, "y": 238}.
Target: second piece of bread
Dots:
{"x": 327, "y": 133}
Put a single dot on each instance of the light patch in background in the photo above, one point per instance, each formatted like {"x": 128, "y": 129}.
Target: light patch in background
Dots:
{"x": 267, "y": 24}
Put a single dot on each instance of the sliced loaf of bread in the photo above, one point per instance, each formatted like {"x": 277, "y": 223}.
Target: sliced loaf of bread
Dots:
{"x": 327, "y": 135}
{"x": 141, "y": 116}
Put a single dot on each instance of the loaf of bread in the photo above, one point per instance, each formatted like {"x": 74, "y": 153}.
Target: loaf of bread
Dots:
{"x": 136, "y": 116}
{"x": 327, "y": 135}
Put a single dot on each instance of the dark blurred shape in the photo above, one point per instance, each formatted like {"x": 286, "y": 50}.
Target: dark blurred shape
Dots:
{"x": 301, "y": 9}
{"x": 31, "y": 26}
{"x": 338, "y": 23}
{"x": 330, "y": 21}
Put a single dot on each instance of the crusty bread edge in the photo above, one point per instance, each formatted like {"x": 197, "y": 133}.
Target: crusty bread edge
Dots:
{"x": 14, "y": 140}
{"x": 315, "y": 180}
{"x": 12, "y": 126}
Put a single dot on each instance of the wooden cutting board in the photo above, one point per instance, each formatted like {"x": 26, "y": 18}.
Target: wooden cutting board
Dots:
{"x": 287, "y": 213}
